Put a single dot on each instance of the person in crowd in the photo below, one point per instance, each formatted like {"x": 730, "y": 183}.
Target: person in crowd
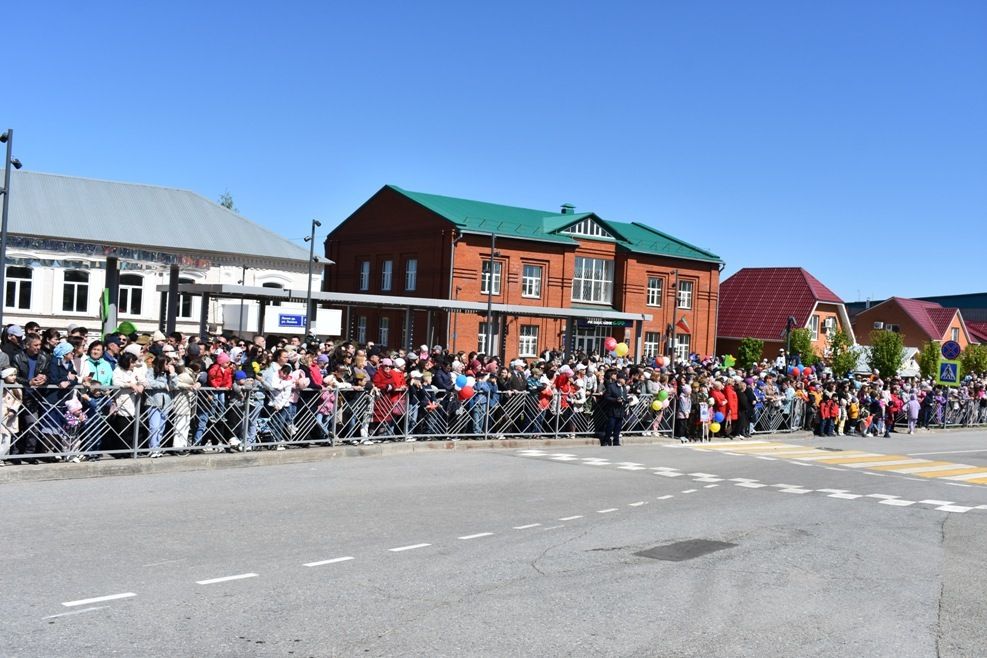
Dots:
{"x": 123, "y": 413}
{"x": 162, "y": 383}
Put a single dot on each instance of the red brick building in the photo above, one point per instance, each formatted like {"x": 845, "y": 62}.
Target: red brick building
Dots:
{"x": 409, "y": 244}
{"x": 918, "y": 321}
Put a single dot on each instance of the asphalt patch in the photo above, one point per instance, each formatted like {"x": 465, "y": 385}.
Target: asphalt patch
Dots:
{"x": 681, "y": 551}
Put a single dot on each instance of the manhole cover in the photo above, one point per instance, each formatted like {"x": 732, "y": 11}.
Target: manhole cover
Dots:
{"x": 684, "y": 550}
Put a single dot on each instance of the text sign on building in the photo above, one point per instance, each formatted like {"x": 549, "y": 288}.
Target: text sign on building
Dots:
{"x": 589, "y": 323}
{"x": 950, "y": 350}
{"x": 948, "y": 372}
{"x": 291, "y": 320}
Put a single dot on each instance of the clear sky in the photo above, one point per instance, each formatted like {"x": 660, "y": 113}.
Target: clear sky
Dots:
{"x": 847, "y": 137}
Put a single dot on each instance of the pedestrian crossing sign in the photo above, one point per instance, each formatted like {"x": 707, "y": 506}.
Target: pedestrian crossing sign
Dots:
{"x": 948, "y": 372}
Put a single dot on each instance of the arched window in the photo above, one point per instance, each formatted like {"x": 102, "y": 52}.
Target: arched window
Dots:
{"x": 18, "y": 293}
{"x": 75, "y": 291}
{"x": 131, "y": 294}
{"x": 273, "y": 284}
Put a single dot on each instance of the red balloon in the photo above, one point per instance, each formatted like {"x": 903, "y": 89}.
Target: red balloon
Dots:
{"x": 796, "y": 372}
{"x": 808, "y": 370}
{"x": 610, "y": 343}
{"x": 465, "y": 393}
{"x": 660, "y": 361}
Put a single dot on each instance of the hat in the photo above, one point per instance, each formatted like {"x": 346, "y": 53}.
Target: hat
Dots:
{"x": 127, "y": 328}
{"x": 143, "y": 339}
{"x": 415, "y": 374}
{"x": 61, "y": 350}
{"x": 72, "y": 327}
{"x": 8, "y": 372}
{"x": 222, "y": 358}
{"x": 133, "y": 348}
{"x": 239, "y": 374}
{"x": 386, "y": 362}
{"x": 157, "y": 336}
{"x": 15, "y": 330}
{"x": 517, "y": 362}
{"x": 169, "y": 350}
{"x": 111, "y": 339}
{"x": 399, "y": 362}
{"x": 322, "y": 358}
{"x": 193, "y": 349}
{"x": 491, "y": 368}
{"x": 423, "y": 348}
{"x": 412, "y": 356}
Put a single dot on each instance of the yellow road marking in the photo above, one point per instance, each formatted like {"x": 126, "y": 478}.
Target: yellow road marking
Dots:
{"x": 959, "y": 471}
{"x": 902, "y": 467}
{"x": 850, "y": 459}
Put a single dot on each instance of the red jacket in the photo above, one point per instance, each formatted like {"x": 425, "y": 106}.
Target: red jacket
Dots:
{"x": 734, "y": 410}
{"x": 219, "y": 377}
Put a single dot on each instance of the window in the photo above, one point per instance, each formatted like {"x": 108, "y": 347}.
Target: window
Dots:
{"x": 385, "y": 330}
{"x": 528, "y": 343}
{"x": 364, "y": 275}
{"x": 588, "y": 228}
{"x": 273, "y": 284}
{"x": 531, "y": 281}
{"x": 685, "y": 294}
{"x": 184, "y": 302}
{"x": 386, "y": 270}
{"x": 814, "y": 327}
{"x": 654, "y": 291}
{"x": 75, "y": 292}
{"x": 485, "y": 278}
{"x": 131, "y": 294}
{"x": 411, "y": 274}
{"x": 652, "y": 343}
{"x": 954, "y": 334}
{"x": 18, "y": 287}
{"x": 592, "y": 281}
{"x": 361, "y": 329}
{"x": 829, "y": 326}
{"x": 682, "y": 346}
{"x": 481, "y": 341}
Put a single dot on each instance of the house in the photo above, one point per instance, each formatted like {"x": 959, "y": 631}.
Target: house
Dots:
{"x": 917, "y": 320}
{"x": 550, "y": 279}
{"x": 762, "y": 302}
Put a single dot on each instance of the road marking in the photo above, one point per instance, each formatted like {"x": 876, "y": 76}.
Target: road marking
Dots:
{"x": 959, "y": 471}
{"x": 882, "y": 496}
{"x": 896, "y": 502}
{"x": 597, "y": 463}
{"x": 710, "y": 486}
{"x": 563, "y": 459}
{"x": 571, "y": 518}
{"x": 880, "y": 465}
{"x": 784, "y": 486}
{"x": 742, "y": 480}
{"x": 801, "y": 464}
{"x": 525, "y": 527}
{"x": 332, "y": 561}
{"x": 945, "y": 452}
{"x": 668, "y": 474}
{"x": 606, "y": 511}
{"x": 833, "y": 468}
{"x": 638, "y": 503}
{"x": 833, "y": 490}
{"x": 632, "y": 468}
{"x": 954, "y": 508}
{"x": 968, "y": 476}
{"x": 958, "y": 484}
{"x": 690, "y": 491}
{"x": 795, "y": 490}
{"x": 845, "y": 496}
{"x": 407, "y": 548}
{"x": 630, "y": 464}
{"x": 665, "y": 497}
{"x": 703, "y": 475}
{"x": 707, "y": 479}
{"x": 76, "y": 612}
{"x": 224, "y": 579}
{"x": 98, "y": 599}
{"x": 847, "y": 458}
{"x": 731, "y": 444}
{"x": 936, "y": 502}
{"x": 919, "y": 468}
{"x": 981, "y": 507}
{"x": 477, "y": 535}
{"x": 749, "y": 485}
{"x": 769, "y": 459}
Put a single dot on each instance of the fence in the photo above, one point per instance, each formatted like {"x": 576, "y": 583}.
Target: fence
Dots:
{"x": 87, "y": 423}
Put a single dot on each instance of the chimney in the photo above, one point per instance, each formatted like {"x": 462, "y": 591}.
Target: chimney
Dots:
{"x": 568, "y": 209}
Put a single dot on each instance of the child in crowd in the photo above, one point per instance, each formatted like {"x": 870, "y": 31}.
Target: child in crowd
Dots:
{"x": 913, "y": 408}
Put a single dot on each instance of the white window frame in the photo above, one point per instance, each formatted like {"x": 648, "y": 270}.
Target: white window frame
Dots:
{"x": 829, "y": 324}
{"x": 364, "y": 275}
{"x": 814, "y": 327}
{"x": 384, "y": 331}
{"x": 684, "y": 294}
{"x": 20, "y": 286}
{"x": 531, "y": 282}
{"x": 592, "y": 281}
{"x": 361, "y": 329}
{"x": 682, "y": 346}
{"x": 481, "y": 339}
{"x": 528, "y": 341}
{"x": 485, "y": 277}
{"x": 411, "y": 274}
{"x": 954, "y": 335}
{"x": 386, "y": 275}
{"x": 652, "y": 343}
{"x": 80, "y": 292}
{"x": 588, "y": 228}
{"x": 656, "y": 286}
{"x": 127, "y": 293}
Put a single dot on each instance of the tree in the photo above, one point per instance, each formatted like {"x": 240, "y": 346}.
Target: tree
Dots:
{"x": 974, "y": 360}
{"x": 928, "y": 358}
{"x": 800, "y": 343}
{"x": 887, "y": 352}
{"x": 226, "y": 200}
{"x": 749, "y": 352}
{"x": 843, "y": 355}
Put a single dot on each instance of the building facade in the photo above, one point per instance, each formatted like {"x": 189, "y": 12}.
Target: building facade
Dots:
{"x": 410, "y": 244}
{"x": 916, "y": 320}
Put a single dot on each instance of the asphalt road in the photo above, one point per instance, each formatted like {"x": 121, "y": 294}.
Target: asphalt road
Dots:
{"x": 511, "y": 552}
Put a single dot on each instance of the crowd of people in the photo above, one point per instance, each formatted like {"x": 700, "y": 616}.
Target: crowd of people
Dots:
{"x": 73, "y": 396}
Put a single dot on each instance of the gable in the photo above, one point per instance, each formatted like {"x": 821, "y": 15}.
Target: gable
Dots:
{"x": 588, "y": 228}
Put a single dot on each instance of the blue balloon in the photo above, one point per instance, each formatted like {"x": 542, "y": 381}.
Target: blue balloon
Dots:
{"x": 718, "y": 416}
{"x": 461, "y": 381}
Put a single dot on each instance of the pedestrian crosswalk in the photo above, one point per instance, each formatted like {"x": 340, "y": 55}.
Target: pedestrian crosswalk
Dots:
{"x": 857, "y": 459}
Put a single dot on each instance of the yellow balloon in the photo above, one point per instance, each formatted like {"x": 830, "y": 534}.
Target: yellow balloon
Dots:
{"x": 656, "y": 405}
{"x": 621, "y": 349}
{"x": 714, "y": 427}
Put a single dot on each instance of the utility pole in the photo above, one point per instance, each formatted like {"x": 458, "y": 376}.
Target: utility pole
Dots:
{"x": 8, "y": 139}
{"x": 311, "y": 259}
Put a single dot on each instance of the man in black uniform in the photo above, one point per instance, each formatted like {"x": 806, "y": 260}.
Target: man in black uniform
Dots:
{"x": 614, "y": 403}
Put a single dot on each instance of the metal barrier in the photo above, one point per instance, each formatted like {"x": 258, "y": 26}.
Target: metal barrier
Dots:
{"x": 75, "y": 424}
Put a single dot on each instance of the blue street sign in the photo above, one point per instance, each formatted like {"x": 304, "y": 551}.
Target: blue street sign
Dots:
{"x": 286, "y": 320}
{"x": 950, "y": 350}
{"x": 949, "y": 373}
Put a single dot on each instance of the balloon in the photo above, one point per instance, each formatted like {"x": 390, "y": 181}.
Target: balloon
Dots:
{"x": 666, "y": 404}
{"x": 470, "y": 380}
{"x": 466, "y": 393}
{"x": 660, "y": 361}
{"x": 609, "y": 344}
{"x": 808, "y": 370}
{"x": 656, "y": 405}
{"x": 461, "y": 381}
{"x": 714, "y": 427}
{"x": 796, "y": 372}
{"x": 621, "y": 349}
{"x": 711, "y": 401}
{"x": 718, "y": 416}
{"x": 662, "y": 394}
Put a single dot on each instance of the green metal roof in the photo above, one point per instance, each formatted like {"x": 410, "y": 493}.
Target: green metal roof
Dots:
{"x": 527, "y": 223}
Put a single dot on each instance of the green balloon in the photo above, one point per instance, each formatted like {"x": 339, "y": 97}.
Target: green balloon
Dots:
{"x": 663, "y": 395}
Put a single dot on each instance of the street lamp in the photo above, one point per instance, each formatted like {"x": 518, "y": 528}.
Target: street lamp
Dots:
{"x": 490, "y": 281}
{"x": 8, "y": 139}
{"x": 311, "y": 259}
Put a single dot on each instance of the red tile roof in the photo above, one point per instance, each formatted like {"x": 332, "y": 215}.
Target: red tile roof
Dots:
{"x": 931, "y": 318}
{"x": 977, "y": 331}
{"x": 757, "y": 301}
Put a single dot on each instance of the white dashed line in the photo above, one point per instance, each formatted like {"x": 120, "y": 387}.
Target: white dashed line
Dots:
{"x": 845, "y": 496}
{"x": 407, "y": 548}
{"x": 896, "y": 502}
{"x": 632, "y": 468}
{"x": 690, "y": 491}
{"x": 801, "y": 464}
{"x": 834, "y": 468}
{"x": 795, "y": 490}
{"x": 703, "y": 475}
{"x": 477, "y": 535}
{"x": 832, "y": 490}
{"x": 958, "y": 484}
{"x": 525, "y": 527}
{"x": 936, "y": 502}
{"x": 767, "y": 459}
{"x": 553, "y": 527}
{"x": 710, "y": 486}
{"x": 571, "y": 518}
{"x": 225, "y": 579}
{"x": 332, "y": 561}
{"x": 784, "y": 486}
{"x": 954, "y": 508}
{"x": 886, "y": 497}
{"x": 606, "y": 511}
{"x": 742, "y": 480}
{"x": 668, "y": 474}
{"x": 750, "y": 485}
{"x": 638, "y": 503}
{"x": 665, "y": 497}
{"x": 76, "y": 612}
{"x": 98, "y": 599}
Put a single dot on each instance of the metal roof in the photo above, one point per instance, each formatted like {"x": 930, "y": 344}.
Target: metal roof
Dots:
{"x": 139, "y": 222}
{"x": 424, "y": 303}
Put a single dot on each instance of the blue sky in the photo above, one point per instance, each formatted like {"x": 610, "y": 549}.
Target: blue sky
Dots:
{"x": 845, "y": 137}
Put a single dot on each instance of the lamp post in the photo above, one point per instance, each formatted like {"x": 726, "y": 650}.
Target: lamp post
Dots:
{"x": 311, "y": 259}
{"x": 8, "y": 139}
{"x": 490, "y": 283}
